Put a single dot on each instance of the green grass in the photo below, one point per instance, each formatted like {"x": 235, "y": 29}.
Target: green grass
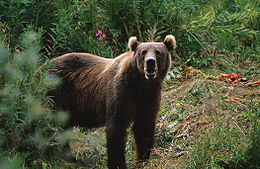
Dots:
{"x": 228, "y": 143}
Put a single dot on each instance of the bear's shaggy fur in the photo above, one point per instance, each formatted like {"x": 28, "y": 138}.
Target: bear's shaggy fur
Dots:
{"x": 114, "y": 92}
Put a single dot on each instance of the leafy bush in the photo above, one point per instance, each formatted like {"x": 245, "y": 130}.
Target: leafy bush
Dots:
{"x": 27, "y": 134}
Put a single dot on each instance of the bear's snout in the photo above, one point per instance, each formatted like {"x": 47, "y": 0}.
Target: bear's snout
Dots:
{"x": 150, "y": 68}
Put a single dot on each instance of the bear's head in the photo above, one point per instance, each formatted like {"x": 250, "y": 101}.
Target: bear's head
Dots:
{"x": 152, "y": 59}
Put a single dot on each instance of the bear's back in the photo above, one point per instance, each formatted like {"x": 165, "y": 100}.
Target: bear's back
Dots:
{"x": 82, "y": 90}
{"x": 86, "y": 84}
{"x": 75, "y": 61}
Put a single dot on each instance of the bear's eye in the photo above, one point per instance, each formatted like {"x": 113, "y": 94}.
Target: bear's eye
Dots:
{"x": 158, "y": 53}
{"x": 143, "y": 52}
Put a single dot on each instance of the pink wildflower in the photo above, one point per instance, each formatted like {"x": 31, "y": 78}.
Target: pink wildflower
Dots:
{"x": 199, "y": 35}
{"x": 100, "y": 36}
{"x": 3, "y": 30}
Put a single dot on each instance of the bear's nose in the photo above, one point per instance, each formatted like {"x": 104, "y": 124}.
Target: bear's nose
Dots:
{"x": 150, "y": 63}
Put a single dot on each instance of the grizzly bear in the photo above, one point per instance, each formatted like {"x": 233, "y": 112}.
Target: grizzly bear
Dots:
{"x": 97, "y": 92}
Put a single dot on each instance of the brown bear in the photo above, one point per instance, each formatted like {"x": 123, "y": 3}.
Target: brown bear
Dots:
{"x": 97, "y": 92}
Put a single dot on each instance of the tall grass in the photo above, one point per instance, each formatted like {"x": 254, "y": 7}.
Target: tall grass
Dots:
{"x": 203, "y": 28}
{"x": 16, "y": 16}
{"x": 226, "y": 144}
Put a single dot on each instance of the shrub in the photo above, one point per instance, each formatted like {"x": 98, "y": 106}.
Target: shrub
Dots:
{"x": 27, "y": 134}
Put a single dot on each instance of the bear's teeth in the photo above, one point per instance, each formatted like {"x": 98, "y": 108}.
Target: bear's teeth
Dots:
{"x": 150, "y": 75}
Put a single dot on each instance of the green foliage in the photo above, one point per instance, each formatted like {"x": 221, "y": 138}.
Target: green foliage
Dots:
{"x": 229, "y": 26}
{"x": 27, "y": 134}
{"x": 197, "y": 95}
{"x": 203, "y": 29}
{"x": 17, "y": 15}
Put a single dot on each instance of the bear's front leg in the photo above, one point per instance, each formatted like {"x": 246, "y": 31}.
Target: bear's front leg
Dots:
{"x": 143, "y": 130}
{"x": 116, "y": 135}
{"x": 117, "y": 122}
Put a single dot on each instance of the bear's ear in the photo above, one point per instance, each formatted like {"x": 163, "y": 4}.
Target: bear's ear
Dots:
{"x": 170, "y": 42}
{"x": 132, "y": 43}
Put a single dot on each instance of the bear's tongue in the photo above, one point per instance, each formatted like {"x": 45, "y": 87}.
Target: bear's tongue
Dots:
{"x": 150, "y": 71}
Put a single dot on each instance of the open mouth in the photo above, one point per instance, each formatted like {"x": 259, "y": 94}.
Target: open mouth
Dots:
{"x": 150, "y": 68}
{"x": 150, "y": 74}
